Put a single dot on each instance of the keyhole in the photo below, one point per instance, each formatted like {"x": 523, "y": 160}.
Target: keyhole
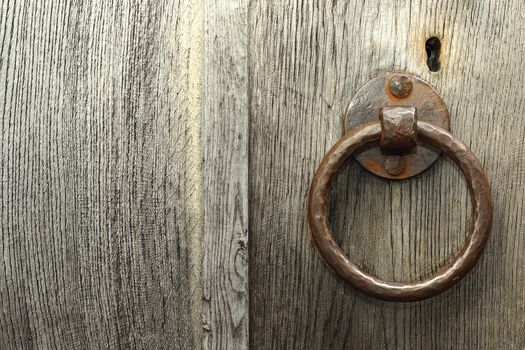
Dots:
{"x": 433, "y": 48}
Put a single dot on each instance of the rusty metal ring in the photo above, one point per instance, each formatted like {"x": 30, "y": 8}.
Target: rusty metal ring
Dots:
{"x": 395, "y": 291}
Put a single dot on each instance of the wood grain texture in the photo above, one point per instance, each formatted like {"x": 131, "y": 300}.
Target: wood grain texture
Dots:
{"x": 307, "y": 59}
{"x": 101, "y": 174}
{"x": 225, "y": 134}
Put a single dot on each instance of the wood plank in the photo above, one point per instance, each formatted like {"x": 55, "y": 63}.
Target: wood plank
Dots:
{"x": 225, "y": 134}
{"x": 307, "y": 59}
{"x": 101, "y": 174}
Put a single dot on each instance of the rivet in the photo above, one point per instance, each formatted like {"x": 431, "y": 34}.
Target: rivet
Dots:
{"x": 394, "y": 165}
{"x": 400, "y": 86}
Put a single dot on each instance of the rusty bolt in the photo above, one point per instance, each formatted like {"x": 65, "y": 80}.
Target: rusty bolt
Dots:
{"x": 394, "y": 165}
{"x": 400, "y": 86}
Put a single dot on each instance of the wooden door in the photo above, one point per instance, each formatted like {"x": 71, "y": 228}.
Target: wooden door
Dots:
{"x": 155, "y": 159}
{"x": 308, "y": 59}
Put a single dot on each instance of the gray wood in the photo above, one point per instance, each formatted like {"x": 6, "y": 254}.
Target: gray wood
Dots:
{"x": 307, "y": 60}
{"x": 225, "y": 134}
{"x": 114, "y": 233}
{"x": 101, "y": 175}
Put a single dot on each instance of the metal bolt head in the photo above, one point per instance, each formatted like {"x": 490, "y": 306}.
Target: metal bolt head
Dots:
{"x": 394, "y": 165}
{"x": 400, "y": 86}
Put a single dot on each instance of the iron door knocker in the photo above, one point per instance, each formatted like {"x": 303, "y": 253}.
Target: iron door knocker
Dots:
{"x": 406, "y": 121}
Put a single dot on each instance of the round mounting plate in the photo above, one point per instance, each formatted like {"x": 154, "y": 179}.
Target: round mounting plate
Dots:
{"x": 366, "y": 107}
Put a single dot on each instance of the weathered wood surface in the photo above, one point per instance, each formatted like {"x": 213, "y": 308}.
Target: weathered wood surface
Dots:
{"x": 113, "y": 232}
{"x": 307, "y": 60}
{"x": 101, "y": 188}
{"x": 225, "y": 134}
